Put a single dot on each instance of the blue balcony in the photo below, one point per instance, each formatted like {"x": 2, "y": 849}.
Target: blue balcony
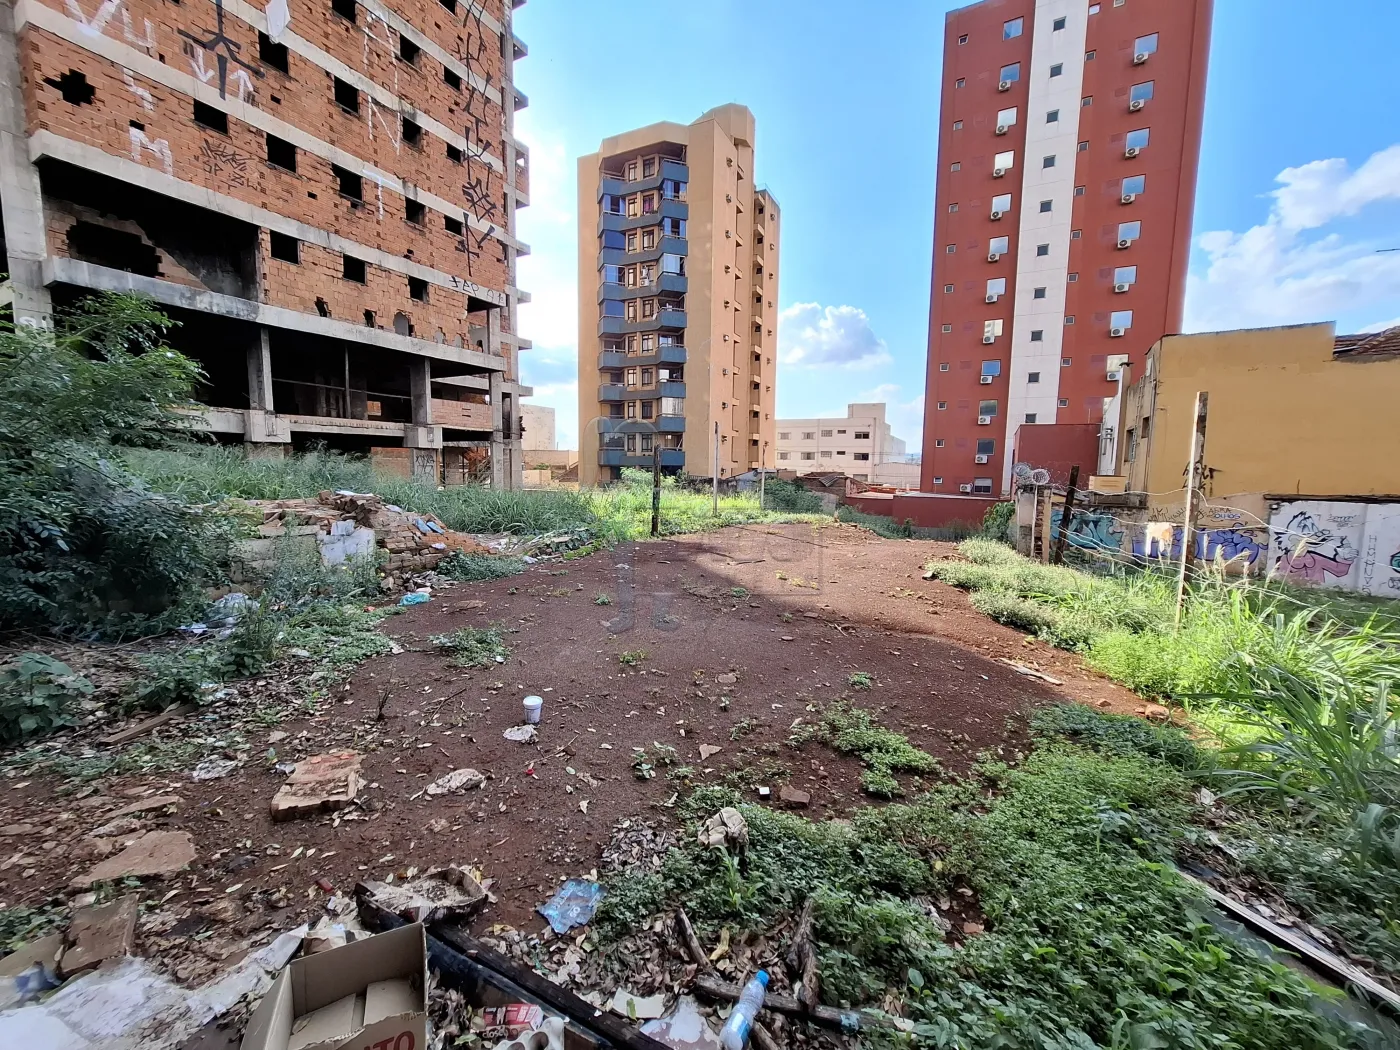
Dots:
{"x": 671, "y": 355}
{"x": 666, "y": 355}
{"x": 672, "y": 389}
{"x": 616, "y": 457}
{"x": 666, "y": 209}
{"x": 670, "y": 169}
{"x": 674, "y": 283}
{"x": 620, "y": 256}
{"x": 621, "y": 326}
{"x": 611, "y": 392}
{"x": 670, "y": 424}
{"x": 612, "y": 359}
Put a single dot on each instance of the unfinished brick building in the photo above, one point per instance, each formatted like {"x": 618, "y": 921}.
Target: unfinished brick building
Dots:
{"x": 321, "y": 192}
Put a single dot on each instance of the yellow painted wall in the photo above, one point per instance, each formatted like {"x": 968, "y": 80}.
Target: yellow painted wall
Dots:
{"x": 1285, "y": 416}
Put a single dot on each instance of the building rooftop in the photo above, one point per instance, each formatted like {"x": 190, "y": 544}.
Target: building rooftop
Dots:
{"x": 1368, "y": 344}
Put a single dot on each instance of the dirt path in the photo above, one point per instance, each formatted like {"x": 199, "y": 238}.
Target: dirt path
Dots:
{"x": 745, "y": 632}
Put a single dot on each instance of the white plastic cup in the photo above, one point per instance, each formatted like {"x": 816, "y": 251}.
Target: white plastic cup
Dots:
{"x": 532, "y": 709}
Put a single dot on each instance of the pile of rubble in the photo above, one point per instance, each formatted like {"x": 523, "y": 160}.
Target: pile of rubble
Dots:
{"x": 344, "y": 526}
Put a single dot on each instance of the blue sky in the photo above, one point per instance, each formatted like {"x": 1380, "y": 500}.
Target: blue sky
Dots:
{"x": 1300, "y": 170}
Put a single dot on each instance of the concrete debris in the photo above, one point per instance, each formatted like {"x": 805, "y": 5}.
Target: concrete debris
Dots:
{"x": 727, "y": 679}
{"x": 154, "y": 853}
{"x": 706, "y": 750}
{"x": 525, "y": 734}
{"x": 458, "y": 781}
{"x": 794, "y": 798}
{"x": 1029, "y": 672}
{"x": 726, "y": 829}
{"x": 441, "y": 894}
{"x": 99, "y": 933}
{"x": 10, "y": 831}
{"x": 636, "y": 1007}
{"x": 146, "y": 805}
{"x": 214, "y": 768}
{"x": 322, "y": 782}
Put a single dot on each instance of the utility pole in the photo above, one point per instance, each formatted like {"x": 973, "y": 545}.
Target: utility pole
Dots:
{"x": 1193, "y": 481}
{"x": 1047, "y": 518}
{"x": 656, "y": 485}
{"x": 714, "y": 472}
{"x": 1059, "y": 556}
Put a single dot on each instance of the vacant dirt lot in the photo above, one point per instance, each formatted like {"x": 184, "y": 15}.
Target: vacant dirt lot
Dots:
{"x": 737, "y": 635}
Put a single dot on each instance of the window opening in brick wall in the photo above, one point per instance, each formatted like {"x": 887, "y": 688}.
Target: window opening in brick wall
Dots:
{"x": 285, "y": 247}
{"x": 211, "y": 118}
{"x": 74, "y": 88}
{"x": 273, "y": 54}
{"x": 352, "y": 269}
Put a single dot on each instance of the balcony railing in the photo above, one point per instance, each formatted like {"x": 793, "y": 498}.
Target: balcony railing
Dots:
{"x": 665, "y": 355}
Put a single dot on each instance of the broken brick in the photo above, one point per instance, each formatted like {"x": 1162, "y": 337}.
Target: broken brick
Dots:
{"x": 99, "y": 933}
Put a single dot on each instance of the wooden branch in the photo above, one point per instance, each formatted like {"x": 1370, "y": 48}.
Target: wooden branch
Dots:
{"x": 763, "y": 1038}
{"x": 848, "y": 1021}
{"x": 692, "y": 944}
{"x": 802, "y": 959}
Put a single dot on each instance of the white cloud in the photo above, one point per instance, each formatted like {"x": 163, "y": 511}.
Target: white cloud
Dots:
{"x": 1382, "y": 326}
{"x": 1289, "y": 269}
{"x": 811, "y": 335}
{"x": 549, "y": 226}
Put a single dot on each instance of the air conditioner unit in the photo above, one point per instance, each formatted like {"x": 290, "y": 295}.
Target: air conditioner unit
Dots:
{"x": 993, "y": 257}
{"x": 1116, "y": 333}
{"x": 984, "y": 421}
{"x": 1005, "y": 85}
{"x": 981, "y": 458}
{"x": 989, "y": 339}
{"x": 985, "y": 380}
{"x": 1136, "y": 104}
{"x": 1114, "y": 376}
{"x": 1002, "y": 129}
{"x": 996, "y": 215}
{"x": 1128, "y": 198}
{"x": 1125, "y": 243}
{"x": 1140, "y": 58}
{"x": 1131, "y": 152}
{"x": 993, "y": 298}
{"x": 1121, "y": 288}
{"x": 964, "y": 488}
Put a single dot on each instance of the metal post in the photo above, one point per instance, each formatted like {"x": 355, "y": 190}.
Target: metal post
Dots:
{"x": 1193, "y": 476}
{"x": 656, "y": 485}
{"x": 1059, "y": 556}
{"x": 714, "y": 472}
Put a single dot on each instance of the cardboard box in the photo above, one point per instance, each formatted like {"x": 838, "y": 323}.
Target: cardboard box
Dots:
{"x": 368, "y": 995}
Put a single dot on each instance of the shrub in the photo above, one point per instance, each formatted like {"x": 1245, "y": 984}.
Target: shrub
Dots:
{"x": 783, "y": 495}
{"x": 474, "y": 646}
{"x": 37, "y": 693}
{"x": 854, "y": 731}
{"x": 475, "y": 568}
{"x": 997, "y": 522}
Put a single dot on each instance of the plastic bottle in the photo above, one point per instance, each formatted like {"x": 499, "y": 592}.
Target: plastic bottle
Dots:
{"x": 736, "y": 1030}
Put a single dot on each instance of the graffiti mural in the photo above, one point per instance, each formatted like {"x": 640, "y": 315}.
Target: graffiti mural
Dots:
{"x": 224, "y": 50}
{"x": 1355, "y": 546}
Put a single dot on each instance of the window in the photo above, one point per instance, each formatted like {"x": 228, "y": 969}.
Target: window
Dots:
{"x": 962, "y": 40}
{"x": 648, "y": 240}
{"x": 951, "y": 249}
{"x": 1069, "y": 319}
{"x": 414, "y": 212}
{"x": 1065, "y": 362}
{"x": 957, "y": 125}
{"x": 1010, "y": 74}
{"x": 612, "y": 308}
{"x": 1039, "y": 293}
{"x": 1138, "y": 139}
{"x": 352, "y": 269}
{"x": 1012, "y": 29}
{"x": 454, "y": 154}
{"x": 648, "y": 167}
{"x": 938, "y": 480}
{"x": 862, "y": 435}
{"x": 999, "y": 245}
{"x": 408, "y": 50}
{"x": 1142, "y": 92}
{"x": 411, "y": 133}
{"x": 1042, "y": 249}
{"x": 418, "y": 289}
{"x": 1125, "y": 275}
{"x": 344, "y": 8}
{"x": 986, "y": 446}
{"x": 1046, "y": 206}
{"x": 826, "y": 433}
{"x": 1084, "y": 147}
{"x": 1145, "y": 45}
{"x": 784, "y": 455}
{"x": 452, "y": 226}
{"x": 613, "y": 239}
{"x": 943, "y": 366}
{"x": 862, "y": 456}
{"x": 785, "y": 436}
{"x": 1074, "y": 235}
{"x": 960, "y": 82}
{"x": 809, "y": 455}
{"x": 286, "y": 248}
{"x": 347, "y": 96}
{"x": 1007, "y": 117}
{"x": 942, "y": 406}
{"x": 1073, "y": 278}
{"x": 1057, "y": 70}
{"x": 1129, "y": 231}
{"x": 827, "y": 455}
{"x": 1093, "y": 9}
{"x": 809, "y": 435}
{"x": 1130, "y": 452}
{"x": 1135, "y": 184}
{"x": 1086, "y": 102}
{"x": 648, "y": 376}
{"x": 1063, "y": 402}
{"x": 947, "y": 288}
{"x": 272, "y": 54}
{"x": 1053, "y": 117}
{"x": 983, "y": 485}
{"x": 632, "y": 241}
{"x": 1002, "y": 203}
{"x": 211, "y": 118}
{"x": 1037, "y": 335}
{"x": 938, "y": 443}
{"x": 992, "y": 328}
{"x": 1057, "y": 25}
{"x": 648, "y": 409}
{"x": 1030, "y": 417}
{"x": 631, "y": 207}
{"x": 351, "y": 185}
{"x": 451, "y": 79}
{"x": 631, "y": 376}
{"x": 1089, "y": 56}
{"x": 996, "y": 286}
{"x": 952, "y": 208}
{"x": 1032, "y": 377}
{"x": 991, "y": 368}
{"x": 281, "y": 153}
{"x": 955, "y": 166}
{"x": 1121, "y": 319}
{"x": 1047, "y": 162}
{"x": 840, "y": 433}
{"x": 986, "y": 408}
{"x": 1006, "y": 160}
{"x": 1079, "y": 191}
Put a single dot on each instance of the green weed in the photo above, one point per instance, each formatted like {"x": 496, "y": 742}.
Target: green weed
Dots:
{"x": 37, "y": 696}
{"x": 861, "y": 680}
{"x": 475, "y": 568}
{"x": 474, "y": 646}
{"x": 631, "y": 657}
{"x": 854, "y": 731}
{"x": 601, "y": 599}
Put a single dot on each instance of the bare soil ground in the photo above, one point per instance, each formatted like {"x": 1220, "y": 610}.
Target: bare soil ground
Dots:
{"x": 745, "y": 631}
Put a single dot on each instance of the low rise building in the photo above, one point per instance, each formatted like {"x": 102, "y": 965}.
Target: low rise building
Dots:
{"x": 859, "y": 444}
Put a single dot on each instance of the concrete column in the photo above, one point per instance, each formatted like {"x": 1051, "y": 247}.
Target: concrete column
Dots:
{"x": 21, "y": 200}
{"x": 260, "y": 372}
{"x": 498, "y": 451}
{"x": 264, "y": 433}
{"x": 420, "y": 388}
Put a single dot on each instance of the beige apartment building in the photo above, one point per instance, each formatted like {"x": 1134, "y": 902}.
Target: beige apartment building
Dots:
{"x": 678, "y": 292}
{"x": 859, "y": 444}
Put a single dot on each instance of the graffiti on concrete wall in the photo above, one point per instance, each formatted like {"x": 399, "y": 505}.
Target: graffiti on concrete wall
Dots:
{"x": 1161, "y": 540}
{"x": 1355, "y": 546}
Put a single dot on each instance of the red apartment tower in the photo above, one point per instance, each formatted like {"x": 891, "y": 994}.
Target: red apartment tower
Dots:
{"x": 1067, "y": 151}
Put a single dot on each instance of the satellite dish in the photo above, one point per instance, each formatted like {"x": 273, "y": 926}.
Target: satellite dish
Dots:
{"x": 1021, "y": 471}
{"x": 1040, "y": 476}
